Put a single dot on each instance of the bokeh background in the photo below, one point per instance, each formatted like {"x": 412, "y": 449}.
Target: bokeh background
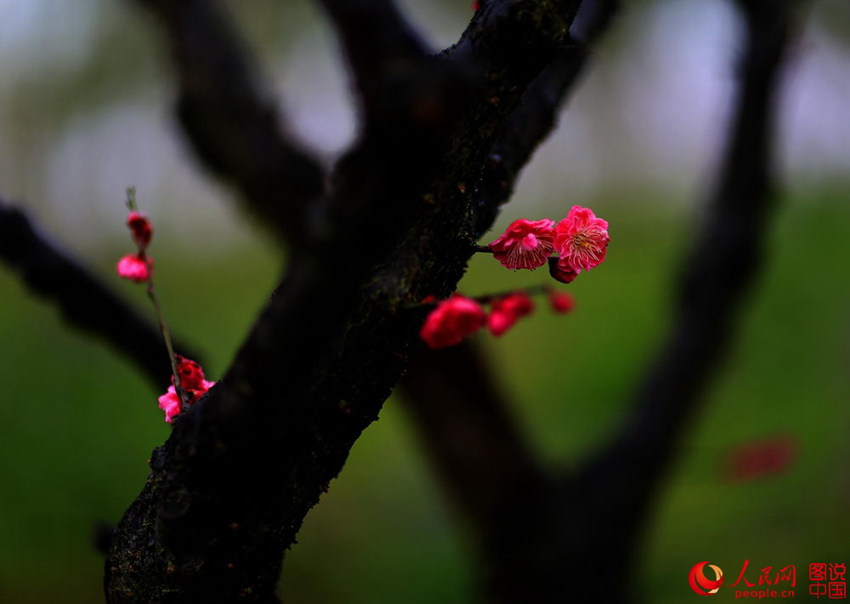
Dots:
{"x": 85, "y": 111}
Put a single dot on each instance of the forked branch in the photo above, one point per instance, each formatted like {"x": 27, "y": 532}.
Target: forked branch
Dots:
{"x": 230, "y": 117}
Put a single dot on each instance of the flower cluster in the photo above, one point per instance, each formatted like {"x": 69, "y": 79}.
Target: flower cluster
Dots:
{"x": 580, "y": 240}
{"x": 137, "y": 267}
{"x": 193, "y": 384}
{"x": 459, "y": 316}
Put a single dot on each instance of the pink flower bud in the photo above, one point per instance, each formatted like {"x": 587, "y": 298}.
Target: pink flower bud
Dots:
{"x": 135, "y": 267}
{"x": 451, "y": 321}
{"x": 506, "y": 311}
{"x": 190, "y": 372}
{"x": 560, "y": 302}
{"x": 140, "y": 228}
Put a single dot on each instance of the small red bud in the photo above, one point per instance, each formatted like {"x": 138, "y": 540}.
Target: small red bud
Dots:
{"x": 560, "y": 302}
{"x": 140, "y": 228}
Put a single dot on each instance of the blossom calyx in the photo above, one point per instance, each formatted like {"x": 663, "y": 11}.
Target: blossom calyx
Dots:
{"x": 561, "y": 270}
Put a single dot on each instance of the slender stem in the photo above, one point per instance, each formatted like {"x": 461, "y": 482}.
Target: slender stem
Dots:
{"x": 483, "y": 249}
{"x": 166, "y": 336}
{"x": 163, "y": 327}
{"x": 131, "y": 199}
{"x": 487, "y": 298}
{"x": 534, "y": 289}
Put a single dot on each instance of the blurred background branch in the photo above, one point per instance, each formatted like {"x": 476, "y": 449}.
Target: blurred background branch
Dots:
{"x": 381, "y": 48}
{"x": 230, "y": 119}
{"x": 615, "y": 490}
{"x": 468, "y": 431}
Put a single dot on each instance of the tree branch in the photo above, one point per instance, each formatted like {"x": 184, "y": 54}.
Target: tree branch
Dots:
{"x": 84, "y": 300}
{"x": 507, "y": 45}
{"x": 229, "y": 117}
{"x": 297, "y": 396}
{"x": 229, "y": 490}
{"x": 509, "y": 40}
{"x": 384, "y": 55}
{"x": 454, "y": 386}
{"x": 482, "y": 459}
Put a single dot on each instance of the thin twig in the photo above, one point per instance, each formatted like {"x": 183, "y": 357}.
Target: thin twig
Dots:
{"x": 132, "y": 205}
{"x": 166, "y": 337}
{"x": 85, "y": 300}
{"x": 543, "y": 288}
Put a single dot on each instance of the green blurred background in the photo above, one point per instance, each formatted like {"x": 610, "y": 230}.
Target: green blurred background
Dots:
{"x": 84, "y": 112}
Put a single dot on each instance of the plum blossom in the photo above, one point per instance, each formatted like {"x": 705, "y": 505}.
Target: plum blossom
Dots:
{"x": 581, "y": 240}
{"x": 170, "y": 403}
{"x": 525, "y": 244}
{"x": 192, "y": 382}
